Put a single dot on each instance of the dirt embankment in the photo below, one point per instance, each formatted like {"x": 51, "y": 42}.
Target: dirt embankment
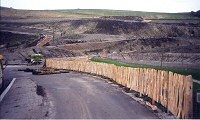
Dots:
{"x": 141, "y": 29}
{"x": 91, "y": 36}
{"x": 109, "y": 27}
{"x": 10, "y": 39}
{"x": 170, "y": 44}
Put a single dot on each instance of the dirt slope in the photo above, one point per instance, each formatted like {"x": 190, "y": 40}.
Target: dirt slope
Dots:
{"x": 72, "y": 37}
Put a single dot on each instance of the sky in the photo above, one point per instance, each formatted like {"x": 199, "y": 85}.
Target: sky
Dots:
{"x": 171, "y": 6}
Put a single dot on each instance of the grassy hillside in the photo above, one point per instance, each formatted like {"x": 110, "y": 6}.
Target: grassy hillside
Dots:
{"x": 8, "y": 12}
{"x": 148, "y": 15}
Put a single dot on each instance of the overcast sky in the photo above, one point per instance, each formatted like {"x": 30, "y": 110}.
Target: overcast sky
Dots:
{"x": 135, "y": 5}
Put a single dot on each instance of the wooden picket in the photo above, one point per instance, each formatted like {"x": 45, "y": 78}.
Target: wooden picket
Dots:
{"x": 173, "y": 91}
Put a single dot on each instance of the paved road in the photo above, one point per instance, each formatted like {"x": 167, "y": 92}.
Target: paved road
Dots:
{"x": 75, "y": 95}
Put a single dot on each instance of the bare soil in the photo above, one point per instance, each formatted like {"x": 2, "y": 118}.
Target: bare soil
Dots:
{"x": 89, "y": 36}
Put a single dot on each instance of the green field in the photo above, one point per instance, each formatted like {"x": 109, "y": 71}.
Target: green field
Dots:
{"x": 147, "y": 15}
{"x": 94, "y": 13}
{"x": 150, "y": 15}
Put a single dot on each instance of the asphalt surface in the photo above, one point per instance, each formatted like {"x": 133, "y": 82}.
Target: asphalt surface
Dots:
{"x": 75, "y": 95}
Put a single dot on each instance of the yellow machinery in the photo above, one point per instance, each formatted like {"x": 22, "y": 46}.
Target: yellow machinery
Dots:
{"x": 2, "y": 62}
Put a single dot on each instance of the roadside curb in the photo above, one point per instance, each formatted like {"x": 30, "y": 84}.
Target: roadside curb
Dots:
{"x": 7, "y": 89}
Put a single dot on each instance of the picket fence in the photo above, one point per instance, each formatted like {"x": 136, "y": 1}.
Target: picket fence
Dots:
{"x": 173, "y": 91}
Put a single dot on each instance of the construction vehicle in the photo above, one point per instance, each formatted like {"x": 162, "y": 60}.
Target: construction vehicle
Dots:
{"x": 2, "y": 63}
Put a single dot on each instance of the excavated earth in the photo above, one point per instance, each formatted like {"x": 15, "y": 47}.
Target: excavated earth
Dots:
{"x": 126, "y": 39}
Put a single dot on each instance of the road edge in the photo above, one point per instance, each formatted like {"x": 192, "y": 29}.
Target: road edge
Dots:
{"x": 7, "y": 89}
{"x": 196, "y": 81}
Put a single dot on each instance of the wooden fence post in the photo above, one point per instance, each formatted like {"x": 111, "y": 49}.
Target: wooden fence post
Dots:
{"x": 188, "y": 98}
